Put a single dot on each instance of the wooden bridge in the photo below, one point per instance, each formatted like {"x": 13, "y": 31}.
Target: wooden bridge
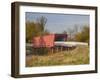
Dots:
{"x": 53, "y": 43}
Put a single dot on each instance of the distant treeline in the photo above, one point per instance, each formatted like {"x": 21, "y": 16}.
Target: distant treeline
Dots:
{"x": 77, "y": 34}
{"x": 37, "y": 28}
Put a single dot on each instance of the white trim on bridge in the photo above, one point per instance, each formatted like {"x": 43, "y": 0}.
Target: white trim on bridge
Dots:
{"x": 69, "y": 44}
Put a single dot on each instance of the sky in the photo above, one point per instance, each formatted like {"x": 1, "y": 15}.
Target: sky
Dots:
{"x": 57, "y": 23}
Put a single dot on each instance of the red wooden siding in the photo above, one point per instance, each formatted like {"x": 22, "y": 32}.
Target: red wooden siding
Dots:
{"x": 44, "y": 41}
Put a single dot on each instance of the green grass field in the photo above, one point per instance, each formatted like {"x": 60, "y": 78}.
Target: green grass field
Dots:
{"x": 77, "y": 56}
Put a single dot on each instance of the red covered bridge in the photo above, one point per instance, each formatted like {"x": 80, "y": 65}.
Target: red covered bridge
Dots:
{"x": 48, "y": 40}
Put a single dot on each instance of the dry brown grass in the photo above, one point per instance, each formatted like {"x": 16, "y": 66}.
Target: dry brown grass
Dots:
{"x": 80, "y": 55}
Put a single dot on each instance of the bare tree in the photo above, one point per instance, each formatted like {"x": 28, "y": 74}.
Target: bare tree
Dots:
{"x": 76, "y": 28}
{"x": 70, "y": 32}
{"x": 41, "y": 21}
